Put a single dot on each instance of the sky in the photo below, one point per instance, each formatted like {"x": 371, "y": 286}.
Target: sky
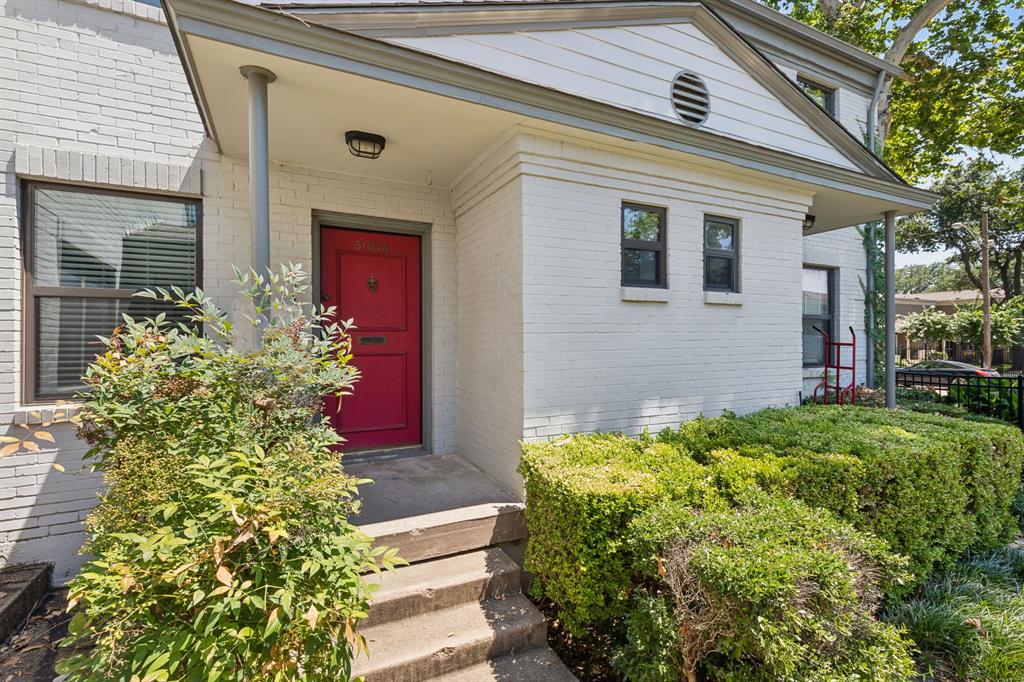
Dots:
{"x": 902, "y": 259}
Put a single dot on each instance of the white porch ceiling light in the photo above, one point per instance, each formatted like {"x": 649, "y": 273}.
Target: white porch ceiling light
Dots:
{"x": 364, "y": 145}
{"x": 690, "y": 98}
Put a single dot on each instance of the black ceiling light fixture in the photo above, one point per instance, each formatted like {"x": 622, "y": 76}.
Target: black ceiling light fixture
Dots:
{"x": 364, "y": 145}
{"x": 808, "y": 222}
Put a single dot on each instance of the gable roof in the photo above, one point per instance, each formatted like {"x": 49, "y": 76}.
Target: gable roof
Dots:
{"x": 405, "y": 27}
{"x": 853, "y": 196}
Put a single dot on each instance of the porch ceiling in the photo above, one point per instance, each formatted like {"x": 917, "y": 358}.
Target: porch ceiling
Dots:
{"x": 311, "y": 107}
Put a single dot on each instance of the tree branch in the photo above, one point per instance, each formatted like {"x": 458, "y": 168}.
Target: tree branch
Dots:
{"x": 908, "y": 32}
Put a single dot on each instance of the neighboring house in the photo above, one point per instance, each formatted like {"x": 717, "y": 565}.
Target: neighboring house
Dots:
{"x": 585, "y": 216}
{"x": 946, "y": 302}
{"x": 943, "y": 301}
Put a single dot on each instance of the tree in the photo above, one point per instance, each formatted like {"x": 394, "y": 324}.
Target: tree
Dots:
{"x": 941, "y": 276}
{"x": 953, "y": 223}
{"x": 1006, "y": 325}
{"x": 965, "y": 66}
{"x": 930, "y": 325}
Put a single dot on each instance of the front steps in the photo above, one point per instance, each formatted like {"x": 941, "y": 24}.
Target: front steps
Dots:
{"x": 457, "y": 613}
{"x": 460, "y": 618}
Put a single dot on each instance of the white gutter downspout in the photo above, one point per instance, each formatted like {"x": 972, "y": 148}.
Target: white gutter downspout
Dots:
{"x": 870, "y": 247}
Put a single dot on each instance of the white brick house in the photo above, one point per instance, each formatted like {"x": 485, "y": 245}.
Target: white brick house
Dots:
{"x": 573, "y": 252}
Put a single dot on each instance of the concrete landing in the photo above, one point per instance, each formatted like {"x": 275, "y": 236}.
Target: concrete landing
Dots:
{"x": 430, "y": 506}
{"x": 420, "y": 484}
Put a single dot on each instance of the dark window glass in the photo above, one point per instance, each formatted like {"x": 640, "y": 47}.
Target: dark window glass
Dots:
{"x": 818, "y": 284}
{"x": 643, "y": 246}
{"x": 822, "y": 94}
{"x": 721, "y": 237}
{"x": 91, "y": 250}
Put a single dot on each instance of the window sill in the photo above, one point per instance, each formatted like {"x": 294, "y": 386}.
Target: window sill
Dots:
{"x": 723, "y": 298}
{"x": 815, "y": 372}
{"x": 645, "y": 294}
{"x": 44, "y": 413}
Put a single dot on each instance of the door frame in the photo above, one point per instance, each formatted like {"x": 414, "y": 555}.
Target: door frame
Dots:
{"x": 351, "y": 221}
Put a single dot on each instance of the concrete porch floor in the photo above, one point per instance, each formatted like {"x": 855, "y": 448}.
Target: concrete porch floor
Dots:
{"x": 433, "y": 505}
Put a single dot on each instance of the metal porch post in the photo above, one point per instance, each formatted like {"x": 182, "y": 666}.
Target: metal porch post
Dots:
{"x": 259, "y": 165}
{"x": 890, "y": 309}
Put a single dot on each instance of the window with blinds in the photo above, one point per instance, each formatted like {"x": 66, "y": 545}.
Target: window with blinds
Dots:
{"x": 89, "y": 251}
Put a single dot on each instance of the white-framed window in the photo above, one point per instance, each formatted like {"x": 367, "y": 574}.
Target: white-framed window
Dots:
{"x": 819, "y": 308}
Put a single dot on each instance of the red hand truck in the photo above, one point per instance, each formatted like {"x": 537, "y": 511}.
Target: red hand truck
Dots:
{"x": 841, "y": 394}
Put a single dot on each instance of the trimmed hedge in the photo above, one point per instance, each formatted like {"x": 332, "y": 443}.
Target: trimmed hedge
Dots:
{"x": 774, "y": 590}
{"x": 931, "y": 487}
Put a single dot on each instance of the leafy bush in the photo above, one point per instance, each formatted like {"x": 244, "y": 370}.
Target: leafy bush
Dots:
{"x": 930, "y": 486}
{"x": 996, "y": 397}
{"x": 581, "y": 494}
{"x": 970, "y": 621}
{"x": 774, "y": 590}
{"x": 222, "y": 546}
{"x": 651, "y": 651}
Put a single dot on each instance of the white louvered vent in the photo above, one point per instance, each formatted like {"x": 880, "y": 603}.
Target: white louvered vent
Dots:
{"x": 690, "y": 98}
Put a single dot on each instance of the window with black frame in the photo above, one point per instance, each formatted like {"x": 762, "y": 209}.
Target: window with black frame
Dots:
{"x": 721, "y": 249}
{"x": 643, "y": 246}
{"x": 89, "y": 251}
{"x": 818, "y": 311}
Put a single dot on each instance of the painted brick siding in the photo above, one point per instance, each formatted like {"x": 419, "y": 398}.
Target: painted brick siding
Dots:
{"x": 489, "y": 206}
{"x": 96, "y": 94}
{"x": 596, "y": 362}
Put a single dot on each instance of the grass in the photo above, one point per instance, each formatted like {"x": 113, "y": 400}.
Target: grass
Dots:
{"x": 969, "y": 622}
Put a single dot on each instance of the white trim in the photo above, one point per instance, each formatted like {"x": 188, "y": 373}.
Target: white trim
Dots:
{"x": 644, "y": 294}
{"x": 723, "y": 298}
{"x": 44, "y": 163}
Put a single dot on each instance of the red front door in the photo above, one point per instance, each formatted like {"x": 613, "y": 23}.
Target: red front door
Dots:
{"x": 374, "y": 279}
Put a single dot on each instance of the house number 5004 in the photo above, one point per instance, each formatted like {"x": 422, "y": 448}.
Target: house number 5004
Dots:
{"x": 373, "y": 247}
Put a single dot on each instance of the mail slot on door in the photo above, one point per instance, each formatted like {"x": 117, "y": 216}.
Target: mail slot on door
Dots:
{"x": 373, "y": 340}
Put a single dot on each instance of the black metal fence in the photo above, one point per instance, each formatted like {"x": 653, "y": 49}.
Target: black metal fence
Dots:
{"x": 1008, "y": 359}
{"x": 997, "y": 397}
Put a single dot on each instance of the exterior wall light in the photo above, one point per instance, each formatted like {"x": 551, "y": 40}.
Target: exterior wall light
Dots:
{"x": 808, "y": 222}
{"x": 364, "y": 145}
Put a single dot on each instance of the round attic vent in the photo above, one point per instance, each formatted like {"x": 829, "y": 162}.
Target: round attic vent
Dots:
{"x": 690, "y": 98}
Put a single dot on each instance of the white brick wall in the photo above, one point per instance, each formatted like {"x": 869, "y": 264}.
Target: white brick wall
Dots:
{"x": 489, "y": 206}
{"x": 92, "y": 91}
{"x": 596, "y": 362}
{"x": 844, "y": 251}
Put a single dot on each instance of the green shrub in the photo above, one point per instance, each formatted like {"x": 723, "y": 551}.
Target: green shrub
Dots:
{"x": 970, "y": 620}
{"x": 581, "y": 494}
{"x": 222, "y": 546}
{"x": 651, "y": 651}
{"x": 774, "y": 588}
{"x": 930, "y": 486}
{"x": 995, "y": 398}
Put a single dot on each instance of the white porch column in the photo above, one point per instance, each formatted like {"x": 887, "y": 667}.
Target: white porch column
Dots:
{"x": 259, "y": 165}
{"x": 890, "y": 309}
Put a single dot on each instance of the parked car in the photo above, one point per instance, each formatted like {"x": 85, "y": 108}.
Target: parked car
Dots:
{"x": 939, "y": 373}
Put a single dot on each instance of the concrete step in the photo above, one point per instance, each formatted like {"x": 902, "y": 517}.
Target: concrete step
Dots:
{"x": 533, "y": 665}
{"x": 442, "y": 583}
{"x": 446, "y": 640}
{"x": 452, "y": 531}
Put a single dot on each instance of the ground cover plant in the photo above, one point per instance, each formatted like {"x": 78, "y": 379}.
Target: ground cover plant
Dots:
{"x": 968, "y": 622}
{"x": 222, "y": 546}
{"x": 787, "y": 529}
